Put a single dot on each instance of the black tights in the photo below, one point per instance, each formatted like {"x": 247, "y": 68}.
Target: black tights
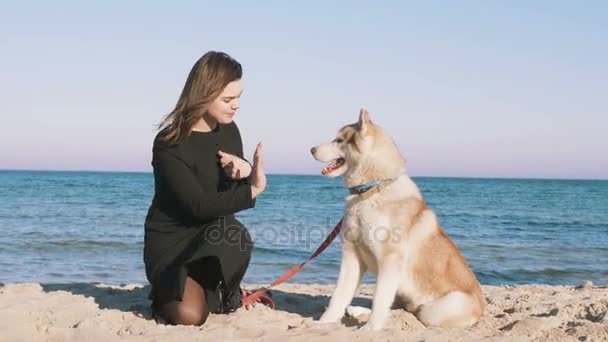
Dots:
{"x": 192, "y": 309}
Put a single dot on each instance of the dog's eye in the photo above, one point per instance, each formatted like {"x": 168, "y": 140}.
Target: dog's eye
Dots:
{"x": 338, "y": 140}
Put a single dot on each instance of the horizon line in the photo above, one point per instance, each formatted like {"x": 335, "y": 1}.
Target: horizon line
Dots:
{"x": 307, "y": 174}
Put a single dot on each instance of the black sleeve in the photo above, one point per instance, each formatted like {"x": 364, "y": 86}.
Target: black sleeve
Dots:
{"x": 179, "y": 180}
{"x": 240, "y": 154}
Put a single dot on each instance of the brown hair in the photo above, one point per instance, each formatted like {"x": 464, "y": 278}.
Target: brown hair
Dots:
{"x": 206, "y": 81}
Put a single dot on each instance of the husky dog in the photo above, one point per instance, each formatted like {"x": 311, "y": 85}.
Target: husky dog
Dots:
{"x": 389, "y": 230}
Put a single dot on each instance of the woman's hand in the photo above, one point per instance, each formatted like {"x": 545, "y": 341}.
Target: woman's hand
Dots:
{"x": 234, "y": 167}
{"x": 258, "y": 176}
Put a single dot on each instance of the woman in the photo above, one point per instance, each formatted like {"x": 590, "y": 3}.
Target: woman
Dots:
{"x": 196, "y": 253}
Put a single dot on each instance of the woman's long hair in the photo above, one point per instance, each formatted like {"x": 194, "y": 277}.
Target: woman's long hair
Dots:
{"x": 206, "y": 81}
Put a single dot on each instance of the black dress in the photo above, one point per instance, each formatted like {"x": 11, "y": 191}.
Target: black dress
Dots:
{"x": 190, "y": 228}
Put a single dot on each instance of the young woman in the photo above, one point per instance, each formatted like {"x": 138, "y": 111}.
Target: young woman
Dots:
{"x": 196, "y": 252}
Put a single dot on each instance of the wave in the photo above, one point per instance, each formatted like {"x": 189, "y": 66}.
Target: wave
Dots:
{"x": 551, "y": 276}
{"x": 77, "y": 245}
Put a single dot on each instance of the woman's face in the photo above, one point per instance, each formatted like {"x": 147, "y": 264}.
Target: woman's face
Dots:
{"x": 224, "y": 107}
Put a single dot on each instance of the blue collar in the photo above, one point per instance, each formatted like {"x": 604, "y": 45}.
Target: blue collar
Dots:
{"x": 359, "y": 189}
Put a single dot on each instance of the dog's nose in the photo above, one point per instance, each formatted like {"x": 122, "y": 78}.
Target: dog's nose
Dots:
{"x": 313, "y": 150}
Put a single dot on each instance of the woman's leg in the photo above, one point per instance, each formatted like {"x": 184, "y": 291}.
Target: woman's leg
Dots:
{"x": 227, "y": 260}
{"x": 192, "y": 310}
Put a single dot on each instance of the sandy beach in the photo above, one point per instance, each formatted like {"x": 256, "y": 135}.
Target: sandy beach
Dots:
{"x": 97, "y": 312}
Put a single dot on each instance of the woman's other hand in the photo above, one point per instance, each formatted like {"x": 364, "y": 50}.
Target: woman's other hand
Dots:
{"x": 234, "y": 167}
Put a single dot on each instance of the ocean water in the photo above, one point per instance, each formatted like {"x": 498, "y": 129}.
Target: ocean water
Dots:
{"x": 59, "y": 227}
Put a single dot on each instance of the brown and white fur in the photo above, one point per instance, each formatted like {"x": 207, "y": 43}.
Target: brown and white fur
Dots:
{"x": 391, "y": 232}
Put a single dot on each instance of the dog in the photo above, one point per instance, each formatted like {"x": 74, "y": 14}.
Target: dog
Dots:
{"x": 390, "y": 231}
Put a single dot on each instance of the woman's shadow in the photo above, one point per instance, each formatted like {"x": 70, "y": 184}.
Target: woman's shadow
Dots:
{"x": 124, "y": 298}
{"x": 134, "y": 299}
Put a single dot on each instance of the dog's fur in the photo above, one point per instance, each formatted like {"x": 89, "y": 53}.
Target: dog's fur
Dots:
{"x": 390, "y": 231}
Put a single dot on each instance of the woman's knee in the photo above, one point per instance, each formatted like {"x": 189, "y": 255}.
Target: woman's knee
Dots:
{"x": 186, "y": 314}
{"x": 192, "y": 309}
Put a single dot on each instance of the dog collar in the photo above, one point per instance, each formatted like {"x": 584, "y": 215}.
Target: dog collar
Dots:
{"x": 360, "y": 189}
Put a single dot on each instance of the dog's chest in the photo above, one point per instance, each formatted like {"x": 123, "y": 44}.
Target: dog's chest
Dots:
{"x": 369, "y": 229}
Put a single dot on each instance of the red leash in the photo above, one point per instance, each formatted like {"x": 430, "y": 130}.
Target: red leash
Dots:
{"x": 253, "y": 297}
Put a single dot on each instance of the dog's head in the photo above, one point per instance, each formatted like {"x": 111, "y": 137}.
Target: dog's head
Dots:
{"x": 362, "y": 152}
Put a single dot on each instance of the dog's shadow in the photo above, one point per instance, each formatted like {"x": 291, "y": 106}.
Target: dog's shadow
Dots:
{"x": 313, "y": 306}
{"x": 305, "y": 305}
{"x": 135, "y": 299}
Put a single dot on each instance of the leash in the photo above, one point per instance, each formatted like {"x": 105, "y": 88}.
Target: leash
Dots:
{"x": 252, "y": 298}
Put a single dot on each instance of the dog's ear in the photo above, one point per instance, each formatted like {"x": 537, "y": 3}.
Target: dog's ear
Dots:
{"x": 364, "y": 120}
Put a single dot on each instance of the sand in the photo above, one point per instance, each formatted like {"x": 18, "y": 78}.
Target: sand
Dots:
{"x": 97, "y": 312}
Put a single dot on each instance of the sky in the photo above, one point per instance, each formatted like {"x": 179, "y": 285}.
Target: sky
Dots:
{"x": 467, "y": 88}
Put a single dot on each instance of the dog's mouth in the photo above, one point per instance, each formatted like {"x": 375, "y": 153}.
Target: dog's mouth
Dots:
{"x": 333, "y": 166}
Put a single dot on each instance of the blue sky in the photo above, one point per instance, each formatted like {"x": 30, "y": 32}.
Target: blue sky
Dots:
{"x": 468, "y": 88}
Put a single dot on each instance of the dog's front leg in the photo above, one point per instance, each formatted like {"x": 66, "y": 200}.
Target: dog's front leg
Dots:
{"x": 351, "y": 271}
{"x": 386, "y": 290}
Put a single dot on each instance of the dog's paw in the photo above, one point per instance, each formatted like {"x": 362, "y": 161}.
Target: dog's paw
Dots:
{"x": 370, "y": 326}
{"x": 354, "y": 311}
{"x": 329, "y": 318}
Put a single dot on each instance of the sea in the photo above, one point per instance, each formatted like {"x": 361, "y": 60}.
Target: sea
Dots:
{"x": 75, "y": 227}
